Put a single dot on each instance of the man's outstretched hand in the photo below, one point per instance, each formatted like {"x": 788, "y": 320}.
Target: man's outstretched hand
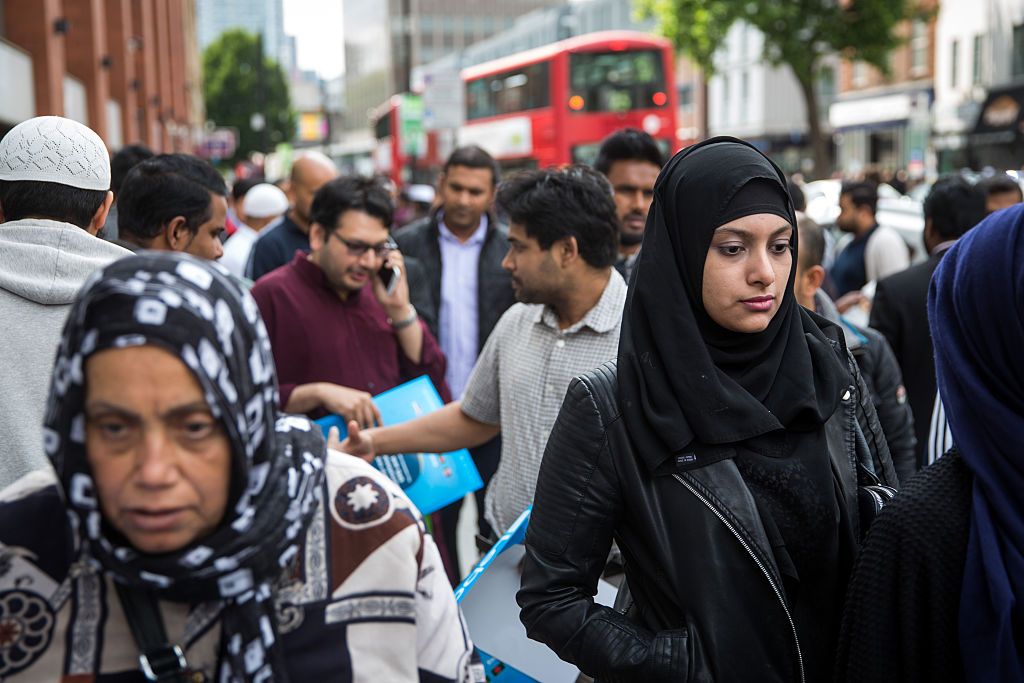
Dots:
{"x": 359, "y": 442}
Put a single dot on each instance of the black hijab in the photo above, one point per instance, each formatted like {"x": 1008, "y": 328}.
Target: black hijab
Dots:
{"x": 683, "y": 379}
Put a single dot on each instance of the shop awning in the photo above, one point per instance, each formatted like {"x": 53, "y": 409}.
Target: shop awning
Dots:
{"x": 878, "y": 111}
{"x": 1002, "y": 116}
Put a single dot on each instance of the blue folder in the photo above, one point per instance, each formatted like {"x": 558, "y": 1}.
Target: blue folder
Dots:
{"x": 431, "y": 480}
{"x": 488, "y": 600}
{"x": 495, "y": 669}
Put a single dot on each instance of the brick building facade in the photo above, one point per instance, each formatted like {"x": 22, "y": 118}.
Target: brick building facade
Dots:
{"x": 129, "y": 69}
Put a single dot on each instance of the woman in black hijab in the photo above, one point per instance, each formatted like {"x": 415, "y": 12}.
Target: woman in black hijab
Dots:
{"x": 720, "y": 452}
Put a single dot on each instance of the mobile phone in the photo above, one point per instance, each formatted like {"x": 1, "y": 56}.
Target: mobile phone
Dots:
{"x": 390, "y": 275}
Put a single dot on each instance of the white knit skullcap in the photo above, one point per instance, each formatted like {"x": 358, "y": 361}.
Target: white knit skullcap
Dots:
{"x": 264, "y": 200}
{"x": 424, "y": 194}
{"x": 52, "y": 149}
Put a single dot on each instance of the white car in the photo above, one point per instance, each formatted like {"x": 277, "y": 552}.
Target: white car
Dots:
{"x": 900, "y": 212}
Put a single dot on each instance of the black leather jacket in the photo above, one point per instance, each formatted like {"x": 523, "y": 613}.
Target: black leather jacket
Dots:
{"x": 709, "y": 603}
{"x": 884, "y": 380}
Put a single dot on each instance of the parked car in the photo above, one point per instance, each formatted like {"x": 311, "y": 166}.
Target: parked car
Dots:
{"x": 900, "y": 212}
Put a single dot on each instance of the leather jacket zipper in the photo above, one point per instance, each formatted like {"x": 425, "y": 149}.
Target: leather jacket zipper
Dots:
{"x": 760, "y": 565}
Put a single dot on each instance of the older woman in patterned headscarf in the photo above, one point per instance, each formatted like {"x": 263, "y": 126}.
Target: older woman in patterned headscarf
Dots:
{"x": 186, "y": 537}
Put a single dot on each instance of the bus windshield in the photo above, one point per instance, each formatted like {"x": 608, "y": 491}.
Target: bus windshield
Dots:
{"x": 382, "y": 126}
{"x": 616, "y": 81}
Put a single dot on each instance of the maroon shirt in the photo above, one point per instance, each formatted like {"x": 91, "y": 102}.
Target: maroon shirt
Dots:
{"x": 317, "y": 337}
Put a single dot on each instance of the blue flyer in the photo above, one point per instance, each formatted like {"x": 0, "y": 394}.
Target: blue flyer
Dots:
{"x": 488, "y": 600}
{"x": 431, "y": 480}
{"x": 482, "y": 626}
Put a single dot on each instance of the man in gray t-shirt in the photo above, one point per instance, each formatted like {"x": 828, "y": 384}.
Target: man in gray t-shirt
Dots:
{"x": 563, "y": 237}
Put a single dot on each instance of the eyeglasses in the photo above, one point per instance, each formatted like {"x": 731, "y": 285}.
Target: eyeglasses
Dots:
{"x": 359, "y": 248}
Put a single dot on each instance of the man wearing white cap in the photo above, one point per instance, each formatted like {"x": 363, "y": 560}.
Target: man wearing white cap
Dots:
{"x": 54, "y": 198}
{"x": 264, "y": 204}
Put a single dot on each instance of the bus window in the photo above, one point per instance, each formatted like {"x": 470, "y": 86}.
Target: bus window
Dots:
{"x": 478, "y": 99}
{"x": 382, "y": 126}
{"x": 587, "y": 153}
{"x": 616, "y": 81}
{"x": 509, "y": 92}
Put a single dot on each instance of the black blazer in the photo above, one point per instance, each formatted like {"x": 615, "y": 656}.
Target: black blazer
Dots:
{"x": 900, "y": 312}
{"x": 418, "y": 242}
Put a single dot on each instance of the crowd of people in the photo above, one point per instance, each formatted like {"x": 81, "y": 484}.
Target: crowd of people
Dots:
{"x": 651, "y": 353}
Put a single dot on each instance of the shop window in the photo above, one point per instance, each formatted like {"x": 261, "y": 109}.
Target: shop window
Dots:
{"x": 826, "y": 85}
{"x": 727, "y": 115}
{"x": 744, "y": 94}
{"x": 919, "y": 47}
{"x": 685, "y": 96}
{"x": 860, "y": 74}
{"x": 1018, "y": 50}
{"x": 977, "y": 72}
{"x": 954, "y": 63}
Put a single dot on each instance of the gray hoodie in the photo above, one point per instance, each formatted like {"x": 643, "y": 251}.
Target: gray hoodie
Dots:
{"x": 43, "y": 264}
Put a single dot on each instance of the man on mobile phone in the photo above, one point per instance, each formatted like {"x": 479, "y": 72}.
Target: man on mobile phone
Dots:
{"x": 339, "y": 333}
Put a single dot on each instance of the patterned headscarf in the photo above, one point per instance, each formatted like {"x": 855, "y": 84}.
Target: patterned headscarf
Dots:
{"x": 197, "y": 312}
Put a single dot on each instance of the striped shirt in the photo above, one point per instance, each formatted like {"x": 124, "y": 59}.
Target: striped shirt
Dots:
{"x": 940, "y": 439}
{"x": 519, "y": 382}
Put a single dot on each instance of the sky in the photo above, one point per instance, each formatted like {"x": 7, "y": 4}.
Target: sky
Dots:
{"x": 316, "y": 25}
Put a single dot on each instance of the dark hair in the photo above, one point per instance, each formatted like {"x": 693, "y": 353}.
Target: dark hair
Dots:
{"x": 553, "y": 204}
{"x": 797, "y": 195}
{"x": 954, "y": 206}
{"x": 628, "y": 144}
{"x": 242, "y": 187}
{"x": 166, "y": 186}
{"x": 812, "y": 242}
{"x": 861, "y": 194}
{"x": 38, "y": 199}
{"x": 999, "y": 184}
{"x": 472, "y": 156}
{"x": 124, "y": 160}
{"x": 351, "y": 193}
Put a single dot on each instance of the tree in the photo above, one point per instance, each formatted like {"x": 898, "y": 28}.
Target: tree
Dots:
{"x": 797, "y": 33}
{"x": 235, "y": 89}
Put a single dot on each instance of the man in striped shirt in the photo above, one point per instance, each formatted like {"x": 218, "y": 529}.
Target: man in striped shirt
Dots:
{"x": 563, "y": 239}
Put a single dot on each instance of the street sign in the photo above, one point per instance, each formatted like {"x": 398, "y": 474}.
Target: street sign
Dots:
{"x": 444, "y": 100}
{"x": 219, "y": 143}
{"x": 312, "y": 126}
{"x": 410, "y": 125}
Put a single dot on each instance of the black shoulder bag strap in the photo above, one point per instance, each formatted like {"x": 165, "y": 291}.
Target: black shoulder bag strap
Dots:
{"x": 159, "y": 659}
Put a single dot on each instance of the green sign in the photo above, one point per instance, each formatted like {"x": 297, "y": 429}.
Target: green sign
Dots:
{"x": 285, "y": 152}
{"x": 410, "y": 125}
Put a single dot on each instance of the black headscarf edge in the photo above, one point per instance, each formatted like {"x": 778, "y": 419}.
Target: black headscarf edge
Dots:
{"x": 655, "y": 385}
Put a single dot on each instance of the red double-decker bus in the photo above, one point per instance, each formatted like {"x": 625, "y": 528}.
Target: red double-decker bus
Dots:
{"x": 554, "y": 104}
{"x": 402, "y": 159}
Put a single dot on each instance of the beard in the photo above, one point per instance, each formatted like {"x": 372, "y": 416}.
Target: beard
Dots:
{"x": 528, "y": 295}
{"x": 630, "y": 239}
